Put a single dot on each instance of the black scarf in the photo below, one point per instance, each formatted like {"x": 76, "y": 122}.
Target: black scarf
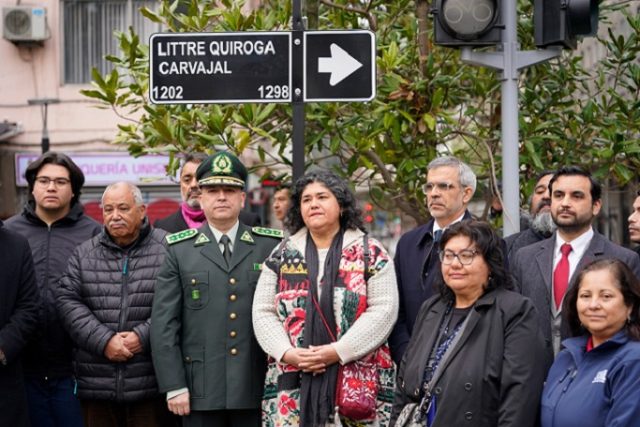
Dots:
{"x": 318, "y": 393}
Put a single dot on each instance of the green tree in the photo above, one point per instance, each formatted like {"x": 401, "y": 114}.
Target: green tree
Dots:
{"x": 428, "y": 102}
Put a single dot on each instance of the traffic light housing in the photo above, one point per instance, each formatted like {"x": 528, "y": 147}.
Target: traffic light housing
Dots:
{"x": 467, "y": 22}
{"x": 560, "y": 22}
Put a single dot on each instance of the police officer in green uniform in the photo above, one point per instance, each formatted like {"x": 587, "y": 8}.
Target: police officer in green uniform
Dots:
{"x": 204, "y": 352}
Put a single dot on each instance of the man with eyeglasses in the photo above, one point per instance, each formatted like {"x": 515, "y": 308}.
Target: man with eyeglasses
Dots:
{"x": 190, "y": 213}
{"x": 449, "y": 188}
{"x": 54, "y": 223}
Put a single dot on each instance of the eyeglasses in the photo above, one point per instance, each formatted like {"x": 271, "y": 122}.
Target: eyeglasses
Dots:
{"x": 58, "y": 182}
{"x": 465, "y": 256}
{"x": 441, "y": 186}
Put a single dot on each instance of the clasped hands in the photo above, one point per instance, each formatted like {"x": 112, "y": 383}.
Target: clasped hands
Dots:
{"x": 314, "y": 359}
{"x": 123, "y": 346}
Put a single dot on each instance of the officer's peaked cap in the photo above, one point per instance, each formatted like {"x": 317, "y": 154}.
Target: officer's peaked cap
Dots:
{"x": 222, "y": 168}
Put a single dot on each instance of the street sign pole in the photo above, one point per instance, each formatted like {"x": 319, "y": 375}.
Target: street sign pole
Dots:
{"x": 509, "y": 61}
{"x": 298, "y": 96}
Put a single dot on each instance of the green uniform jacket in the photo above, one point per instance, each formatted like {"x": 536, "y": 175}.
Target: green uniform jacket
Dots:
{"x": 201, "y": 331}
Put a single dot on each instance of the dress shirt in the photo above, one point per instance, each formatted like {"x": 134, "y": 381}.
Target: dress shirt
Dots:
{"x": 578, "y": 247}
{"x": 231, "y": 233}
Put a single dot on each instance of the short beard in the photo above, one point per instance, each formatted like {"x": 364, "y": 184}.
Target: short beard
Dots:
{"x": 193, "y": 203}
{"x": 543, "y": 223}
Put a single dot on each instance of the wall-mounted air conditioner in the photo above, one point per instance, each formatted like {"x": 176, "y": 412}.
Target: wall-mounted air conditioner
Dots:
{"x": 24, "y": 23}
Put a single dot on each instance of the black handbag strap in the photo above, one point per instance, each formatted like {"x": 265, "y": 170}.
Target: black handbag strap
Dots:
{"x": 447, "y": 354}
{"x": 366, "y": 255}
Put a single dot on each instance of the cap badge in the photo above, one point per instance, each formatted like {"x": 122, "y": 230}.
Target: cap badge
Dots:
{"x": 221, "y": 165}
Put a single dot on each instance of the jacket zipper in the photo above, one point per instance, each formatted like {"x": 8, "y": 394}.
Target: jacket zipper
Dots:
{"x": 44, "y": 291}
{"x": 571, "y": 374}
{"x": 122, "y": 323}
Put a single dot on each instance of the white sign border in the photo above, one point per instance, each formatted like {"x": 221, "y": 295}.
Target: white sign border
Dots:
{"x": 373, "y": 66}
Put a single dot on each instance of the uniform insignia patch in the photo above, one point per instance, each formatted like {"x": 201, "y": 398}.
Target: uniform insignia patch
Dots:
{"x": 271, "y": 232}
{"x": 201, "y": 240}
{"x": 222, "y": 164}
{"x": 181, "y": 235}
{"x": 246, "y": 237}
{"x": 257, "y": 266}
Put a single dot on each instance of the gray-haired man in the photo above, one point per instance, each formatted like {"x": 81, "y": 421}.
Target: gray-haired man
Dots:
{"x": 449, "y": 188}
{"x": 105, "y": 301}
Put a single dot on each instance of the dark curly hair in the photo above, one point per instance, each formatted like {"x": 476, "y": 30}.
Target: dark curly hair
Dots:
{"x": 75, "y": 173}
{"x": 488, "y": 244}
{"x": 628, "y": 284}
{"x": 351, "y": 216}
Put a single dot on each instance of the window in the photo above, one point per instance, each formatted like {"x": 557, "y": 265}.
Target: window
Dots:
{"x": 88, "y": 28}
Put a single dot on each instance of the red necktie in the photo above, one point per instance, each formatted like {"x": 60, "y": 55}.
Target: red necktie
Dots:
{"x": 561, "y": 275}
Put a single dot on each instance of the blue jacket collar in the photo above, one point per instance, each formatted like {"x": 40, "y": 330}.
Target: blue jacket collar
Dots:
{"x": 577, "y": 345}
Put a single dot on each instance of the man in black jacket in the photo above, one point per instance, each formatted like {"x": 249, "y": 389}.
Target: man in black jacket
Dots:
{"x": 54, "y": 223}
{"x": 190, "y": 213}
{"x": 19, "y": 305}
{"x": 104, "y": 300}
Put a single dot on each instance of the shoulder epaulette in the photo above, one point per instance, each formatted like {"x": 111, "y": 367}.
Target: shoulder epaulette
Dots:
{"x": 181, "y": 235}
{"x": 270, "y": 232}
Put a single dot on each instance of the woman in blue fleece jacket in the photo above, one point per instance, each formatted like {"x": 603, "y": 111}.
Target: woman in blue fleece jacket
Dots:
{"x": 595, "y": 380}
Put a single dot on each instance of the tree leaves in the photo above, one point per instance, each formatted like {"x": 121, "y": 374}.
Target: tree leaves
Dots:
{"x": 427, "y": 102}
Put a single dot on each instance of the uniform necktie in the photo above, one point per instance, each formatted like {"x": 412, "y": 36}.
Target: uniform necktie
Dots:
{"x": 436, "y": 236}
{"x": 227, "y": 249}
{"x": 561, "y": 275}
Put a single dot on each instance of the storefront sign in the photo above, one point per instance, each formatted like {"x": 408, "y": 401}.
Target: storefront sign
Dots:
{"x": 102, "y": 169}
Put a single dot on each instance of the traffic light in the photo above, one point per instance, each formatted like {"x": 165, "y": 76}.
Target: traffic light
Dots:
{"x": 467, "y": 22}
{"x": 368, "y": 213}
{"x": 560, "y": 22}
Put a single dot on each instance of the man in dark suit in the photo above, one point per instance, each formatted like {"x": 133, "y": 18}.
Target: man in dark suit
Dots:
{"x": 190, "y": 214}
{"x": 205, "y": 355}
{"x": 541, "y": 224}
{"x": 19, "y": 306}
{"x": 634, "y": 223}
{"x": 544, "y": 271}
{"x": 449, "y": 188}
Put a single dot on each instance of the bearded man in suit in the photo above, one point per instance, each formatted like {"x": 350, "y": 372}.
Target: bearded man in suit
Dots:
{"x": 545, "y": 270}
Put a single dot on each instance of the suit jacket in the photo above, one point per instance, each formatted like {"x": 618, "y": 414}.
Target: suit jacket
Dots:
{"x": 201, "y": 327}
{"x": 175, "y": 222}
{"x": 532, "y": 268}
{"x": 417, "y": 268}
{"x": 519, "y": 240}
{"x": 19, "y": 307}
